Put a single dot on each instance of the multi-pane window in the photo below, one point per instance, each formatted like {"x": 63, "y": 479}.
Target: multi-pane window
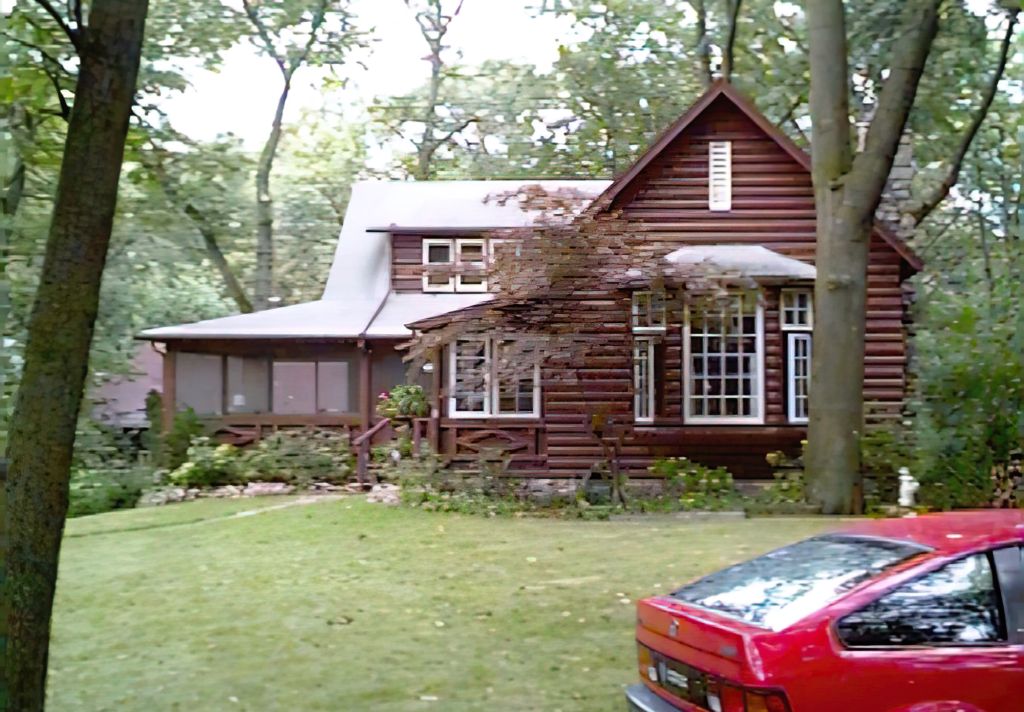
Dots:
{"x": 643, "y": 379}
{"x": 471, "y": 263}
{"x": 454, "y": 265}
{"x": 648, "y": 311}
{"x": 438, "y": 263}
{"x": 493, "y": 377}
{"x": 958, "y": 604}
{"x": 798, "y": 371}
{"x": 797, "y": 313}
{"x": 720, "y": 175}
{"x": 725, "y": 360}
{"x": 797, "y": 309}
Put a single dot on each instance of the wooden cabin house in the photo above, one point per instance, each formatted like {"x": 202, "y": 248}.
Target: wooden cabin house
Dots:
{"x": 722, "y": 194}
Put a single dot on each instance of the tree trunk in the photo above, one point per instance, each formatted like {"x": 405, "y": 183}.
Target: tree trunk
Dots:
{"x": 60, "y": 331}
{"x": 703, "y": 42}
{"x": 847, "y": 192}
{"x": 264, "y": 288}
{"x": 216, "y": 255}
{"x": 729, "y": 51}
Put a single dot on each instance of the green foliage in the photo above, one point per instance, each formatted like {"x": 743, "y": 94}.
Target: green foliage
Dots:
{"x": 403, "y": 401}
{"x": 695, "y": 486}
{"x": 209, "y": 465}
{"x": 299, "y": 457}
{"x": 101, "y": 490}
{"x": 174, "y": 445}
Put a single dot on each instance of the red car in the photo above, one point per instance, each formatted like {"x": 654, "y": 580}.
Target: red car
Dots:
{"x": 921, "y": 614}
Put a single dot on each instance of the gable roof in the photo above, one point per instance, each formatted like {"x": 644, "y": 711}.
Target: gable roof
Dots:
{"x": 723, "y": 89}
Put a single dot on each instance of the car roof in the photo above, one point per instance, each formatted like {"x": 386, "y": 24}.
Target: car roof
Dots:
{"x": 948, "y": 532}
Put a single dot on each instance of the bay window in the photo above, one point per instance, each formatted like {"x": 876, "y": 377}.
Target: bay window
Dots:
{"x": 724, "y": 360}
{"x": 491, "y": 377}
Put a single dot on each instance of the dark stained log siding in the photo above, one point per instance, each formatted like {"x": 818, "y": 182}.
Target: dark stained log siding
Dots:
{"x": 773, "y": 206}
{"x": 407, "y": 263}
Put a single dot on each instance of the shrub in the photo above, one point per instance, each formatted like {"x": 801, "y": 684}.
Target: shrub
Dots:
{"x": 101, "y": 490}
{"x": 403, "y": 402}
{"x": 174, "y": 445}
{"x": 299, "y": 457}
{"x": 209, "y": 465}
{"x": 696, "y": 486}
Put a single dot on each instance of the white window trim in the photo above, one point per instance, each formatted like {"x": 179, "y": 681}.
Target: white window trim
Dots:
{"x": 427, "y": 244}
{"x": 810, "y": 312}
{"x": 492, "y": 401}
{"x": 640, "y": 343}
{"x": 757, "y": 419}
{"x": 791, "y": 340}
{"x": 481, "y": 265}
{"x": 720, "y": 196}
{"x": 635, "y": 313}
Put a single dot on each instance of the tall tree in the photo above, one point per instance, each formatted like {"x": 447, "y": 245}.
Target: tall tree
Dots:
{"x": 848, "y": 189}
{"x": 59, "y": 335}
{"x": 293, "y": 33}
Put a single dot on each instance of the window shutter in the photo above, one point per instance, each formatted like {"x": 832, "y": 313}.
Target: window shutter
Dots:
{"x": 720, "y": 175}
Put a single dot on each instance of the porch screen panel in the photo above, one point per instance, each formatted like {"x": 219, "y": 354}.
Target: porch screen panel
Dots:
{"x": 469, "y": 376}
{"x": 332, "y": 384}
{"x": 248, "y": 385}
{"x": 294, "y": 389}
{"x": 725, "y": 360}
{"x": 199, "y": 383}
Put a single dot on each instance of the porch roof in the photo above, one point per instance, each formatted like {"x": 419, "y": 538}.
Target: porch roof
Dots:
{"x": 750, "y": 261}
{"x": 324, "y": 319}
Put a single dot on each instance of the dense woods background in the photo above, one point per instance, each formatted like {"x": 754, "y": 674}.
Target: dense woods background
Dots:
{"x": 190, "y": 241}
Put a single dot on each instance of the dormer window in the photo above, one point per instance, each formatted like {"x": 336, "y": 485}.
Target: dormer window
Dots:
{"x": 455, "y": 265}
{"x": 438, "y": 261}
{"x": 720, "y": 175}
{"x": 471, "y": 260}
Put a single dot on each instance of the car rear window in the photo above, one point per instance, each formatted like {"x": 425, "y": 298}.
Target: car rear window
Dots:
{"x": 776, "y": 590}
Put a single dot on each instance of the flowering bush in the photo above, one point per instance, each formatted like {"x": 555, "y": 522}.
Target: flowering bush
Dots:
{"x": 209, "y": 465}
{"x": 403, "y": 402}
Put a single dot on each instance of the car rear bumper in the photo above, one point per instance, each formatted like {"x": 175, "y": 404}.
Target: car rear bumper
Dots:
{"x": 640, "y": 699}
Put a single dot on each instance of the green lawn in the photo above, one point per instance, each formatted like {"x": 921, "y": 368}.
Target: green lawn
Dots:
{"x": 343, "y": 605}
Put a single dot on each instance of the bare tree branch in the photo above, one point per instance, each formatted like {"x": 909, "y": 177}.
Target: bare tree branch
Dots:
{"x": 940, "y": 192}
{"x": 264, "y": 33}
{"x": 72, "y": 34}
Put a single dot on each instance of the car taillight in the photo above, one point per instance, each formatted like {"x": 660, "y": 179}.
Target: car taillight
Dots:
{"x": 759, "y": 701}
{"x": 713, "y": 694}
{"x": 646, "y": 662}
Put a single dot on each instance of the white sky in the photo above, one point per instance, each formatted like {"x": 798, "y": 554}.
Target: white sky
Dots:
{"x": 240, "y": 98}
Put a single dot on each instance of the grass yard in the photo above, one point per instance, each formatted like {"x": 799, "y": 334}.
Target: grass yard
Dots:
{"x": 343, "y": 605}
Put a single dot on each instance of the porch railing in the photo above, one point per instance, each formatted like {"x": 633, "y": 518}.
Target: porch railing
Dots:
{"x": 362, "y": 447}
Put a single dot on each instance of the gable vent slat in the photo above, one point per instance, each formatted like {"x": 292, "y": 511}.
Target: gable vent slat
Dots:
{"x": 720, "y": 175}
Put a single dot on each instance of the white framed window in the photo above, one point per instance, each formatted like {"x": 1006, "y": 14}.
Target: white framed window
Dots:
{"x": 643, "y": 379}
{"x": 719, "y": 175}
{"x": 438, "y": 263}
{"x": 491, "y": 377}
{"x": 648, "y": 312}
{"x": 798, "y": 376}
{"x": 723, "y": 358}
{"x": 471, "y": 261}
{"x": 469, "y": 377}
{"x": 797, "y": 310}
{"x": 516, "y": 379}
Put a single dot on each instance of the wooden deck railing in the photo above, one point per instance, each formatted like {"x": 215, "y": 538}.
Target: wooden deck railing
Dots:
{"x": 362, "y": 447}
